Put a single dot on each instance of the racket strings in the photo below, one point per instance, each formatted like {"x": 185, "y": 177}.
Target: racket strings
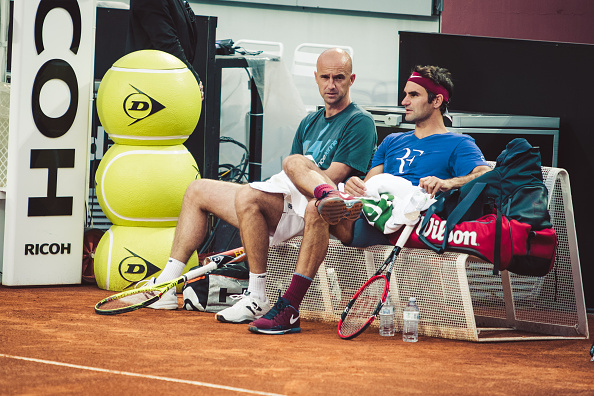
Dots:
{"x": 364, "y": 306}
{"x": 129, "y": 300}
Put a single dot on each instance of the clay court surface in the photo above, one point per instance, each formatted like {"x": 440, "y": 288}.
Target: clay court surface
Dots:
{"x": 52, "y": 343}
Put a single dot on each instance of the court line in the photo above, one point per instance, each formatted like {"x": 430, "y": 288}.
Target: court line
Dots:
{"x": 181, "y": 381}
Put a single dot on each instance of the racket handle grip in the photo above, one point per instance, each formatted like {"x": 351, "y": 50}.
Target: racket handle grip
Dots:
{"x": 404, "y": 235}
{"x": 195, "y": 273}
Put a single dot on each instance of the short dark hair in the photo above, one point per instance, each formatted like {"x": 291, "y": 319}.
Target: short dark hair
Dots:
{"x": 440, "y": 76}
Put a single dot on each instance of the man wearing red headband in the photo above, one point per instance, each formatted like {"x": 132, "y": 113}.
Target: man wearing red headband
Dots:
{"x": 430, "y": 156}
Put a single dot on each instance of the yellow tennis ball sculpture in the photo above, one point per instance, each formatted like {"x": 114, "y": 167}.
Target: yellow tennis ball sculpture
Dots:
{"x": 149, "y": 97}
{"x": 144, "y": 185}
{"x": 126, "y": 255}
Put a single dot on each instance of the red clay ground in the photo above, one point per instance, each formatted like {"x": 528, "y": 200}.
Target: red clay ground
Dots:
{"x": 191, "y": 353}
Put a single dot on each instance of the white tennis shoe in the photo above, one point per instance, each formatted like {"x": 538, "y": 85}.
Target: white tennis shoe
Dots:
{"x": 167, "y": 301}
{"x": 247, "y": 309}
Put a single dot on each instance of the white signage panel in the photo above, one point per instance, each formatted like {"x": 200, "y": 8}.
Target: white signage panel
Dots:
{"x": 50, "y": 111}
{"x": 399, "y": 7}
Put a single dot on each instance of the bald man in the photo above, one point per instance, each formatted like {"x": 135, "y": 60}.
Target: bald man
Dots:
{"x": 339, "y": 140}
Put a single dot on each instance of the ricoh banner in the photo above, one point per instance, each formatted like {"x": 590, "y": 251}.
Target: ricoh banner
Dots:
{"x": 50, "y": 112}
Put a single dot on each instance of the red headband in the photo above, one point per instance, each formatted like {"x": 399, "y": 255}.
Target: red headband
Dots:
{"x": 429, "y": 85}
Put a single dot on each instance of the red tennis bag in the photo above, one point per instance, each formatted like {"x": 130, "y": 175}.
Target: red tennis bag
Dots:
{"x": 501, "y": 216}
{"x": 519, "y": 249}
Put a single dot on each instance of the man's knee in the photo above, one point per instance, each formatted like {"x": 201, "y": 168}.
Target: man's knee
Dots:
{"x": 247, "y": 198}
{"x": 196, "y": 189}
{"x": 290, "y": 160}
{"x": 209, "y": 195}
{"x": 311, "y": 214}
{"x": 295, "y": 162}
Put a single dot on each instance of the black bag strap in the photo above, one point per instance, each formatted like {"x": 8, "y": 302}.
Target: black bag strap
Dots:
{"x": 497, "y": 252}
{"x": 434, "y": 208}
{"x": 453, "y": 219}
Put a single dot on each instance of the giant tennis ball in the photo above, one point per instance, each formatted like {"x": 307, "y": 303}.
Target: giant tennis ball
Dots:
{"x": 149, "y": 97}
{"x": 126, "y": 255}
{"x": 144, "y": 185}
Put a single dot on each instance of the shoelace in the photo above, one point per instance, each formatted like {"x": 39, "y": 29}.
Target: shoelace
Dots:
{"x": 238, "y": 296}
{"x": 143, "y": 283}
{"x": 324, "y": 195}
{"x": 279, "y": 306}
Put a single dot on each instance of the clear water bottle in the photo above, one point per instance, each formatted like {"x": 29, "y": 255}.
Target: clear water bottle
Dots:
{"x": 335, "y": 292}
{"x": 387, "y": 327}
{"x": 410, "y": 331}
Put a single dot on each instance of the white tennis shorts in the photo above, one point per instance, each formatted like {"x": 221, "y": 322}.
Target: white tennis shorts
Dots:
{"x": 291, "y": 223}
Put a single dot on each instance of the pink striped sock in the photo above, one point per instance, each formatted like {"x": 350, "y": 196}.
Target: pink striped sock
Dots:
{"x": 321, "y": 189}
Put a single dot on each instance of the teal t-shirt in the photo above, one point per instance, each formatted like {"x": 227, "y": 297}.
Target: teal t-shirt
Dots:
{"x": 348, "y": 137}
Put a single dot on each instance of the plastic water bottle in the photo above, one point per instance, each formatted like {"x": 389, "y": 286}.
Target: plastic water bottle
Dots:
{"x": 410, "y": 331}
{"x": 335, "y": 292}
{"x": 387, "y": 327}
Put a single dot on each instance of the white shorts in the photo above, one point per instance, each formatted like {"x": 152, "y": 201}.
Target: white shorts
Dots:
{"x": 291, "y": 222}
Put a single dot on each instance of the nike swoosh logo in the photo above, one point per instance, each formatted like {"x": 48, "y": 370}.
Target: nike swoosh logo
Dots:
{"x": 253, "y": 308}
{"x": 293, "y": 320}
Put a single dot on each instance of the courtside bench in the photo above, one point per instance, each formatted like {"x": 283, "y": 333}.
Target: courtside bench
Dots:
{"x": 458, "y": 295}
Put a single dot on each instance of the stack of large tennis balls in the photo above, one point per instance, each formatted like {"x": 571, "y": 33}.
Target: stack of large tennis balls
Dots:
{"x": 149, "y": 103}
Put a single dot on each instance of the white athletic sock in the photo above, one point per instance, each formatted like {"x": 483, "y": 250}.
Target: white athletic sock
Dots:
{"x": 257, "y": 285}
{"x": 172, "y": 270}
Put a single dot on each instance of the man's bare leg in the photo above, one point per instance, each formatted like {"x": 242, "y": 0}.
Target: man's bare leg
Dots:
{"x": 284, "y": 317}
{"x": 202, "y": 197}
{"x": 314, "y": 245}
{"x": 258, "y": 214}
{"x": 305, "y": 174}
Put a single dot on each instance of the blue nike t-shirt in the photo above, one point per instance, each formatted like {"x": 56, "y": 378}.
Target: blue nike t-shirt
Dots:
{"x": 443, "y": 155}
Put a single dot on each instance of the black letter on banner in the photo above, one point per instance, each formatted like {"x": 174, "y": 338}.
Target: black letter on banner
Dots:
{"x": 61, "y": 70}
{"x": 65, "y": 249}
{"x": 51, "y": 159}
{"x": 45, "y": 6}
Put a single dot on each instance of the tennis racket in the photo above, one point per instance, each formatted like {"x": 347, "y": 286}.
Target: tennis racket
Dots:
{"x": 361, "y": 311}
{"x": 224, "y": 257}
{"x": 132, "y": 300}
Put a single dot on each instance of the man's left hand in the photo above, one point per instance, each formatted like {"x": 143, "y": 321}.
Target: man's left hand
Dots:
{"x": 432, "y": 185}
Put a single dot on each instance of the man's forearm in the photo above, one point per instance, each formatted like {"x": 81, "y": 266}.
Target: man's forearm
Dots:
{"x": 457, "y": 182}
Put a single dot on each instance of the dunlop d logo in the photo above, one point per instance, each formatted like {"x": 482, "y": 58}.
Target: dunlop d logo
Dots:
{"x": 134, "y": 268}
{"x": 139, "y": 105}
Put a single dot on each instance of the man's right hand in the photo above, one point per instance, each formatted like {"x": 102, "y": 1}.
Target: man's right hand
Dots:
{"x": 355, "y": 187}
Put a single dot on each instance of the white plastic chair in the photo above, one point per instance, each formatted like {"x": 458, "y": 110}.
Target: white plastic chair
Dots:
{"x": 268, "y": 48}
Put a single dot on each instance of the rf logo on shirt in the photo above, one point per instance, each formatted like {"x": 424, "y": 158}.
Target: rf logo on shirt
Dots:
{"x": 405, "y": 158}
